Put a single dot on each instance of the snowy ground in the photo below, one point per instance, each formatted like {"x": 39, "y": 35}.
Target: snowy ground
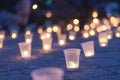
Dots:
{"x": 104, "y": 66}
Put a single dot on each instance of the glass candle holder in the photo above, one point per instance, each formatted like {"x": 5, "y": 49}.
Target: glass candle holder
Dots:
{"x": 72, "y": 35}
{"x": 47, "y": 74}
{"x": 92, "y": 32}
{"x": 1, "y": 42}
{"x": 14, "y": 34}
{"x": 88, "y": 48}
{"x": 109, "y": 34}
{"x": 2, "y": 34}
{"x": 117, "y": 33}
{"x": 62, "y": 39}
{"x": 47, "y": 44}
{"x": 72, "y": 58}
{"x": 85, "y": 34}
{"x": 25, "y": 49}
{"x": 102, "y": 38}
{"x": 29, "y": 38}
{"x": 2, "y": 37}
{"x": 45, "y": 35}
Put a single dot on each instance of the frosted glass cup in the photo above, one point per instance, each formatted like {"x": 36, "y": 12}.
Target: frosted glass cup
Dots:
{"x": 29, "y": 38}
{"x": 48, "y": 74}
{"x": 88, "y": 48}
{"x": 47, "y": 44}
{"x": 25, "y": 49}
{"x": 72, "y": 58}
{"x": 62, "y": 39}
{"x": 1, "y": 42}
{"x": 103, "y": 41}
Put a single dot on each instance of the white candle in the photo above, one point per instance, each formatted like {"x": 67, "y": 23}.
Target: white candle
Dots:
{"x": 28, "y": 41}
{"x": 14, "y": 35}
{"x": 46, "y": 47}
{"x": 72, "y": 65}
{"x": 25, "y": 54}
{"x": 61, "y": 42}
{"x": 71, "y": 37}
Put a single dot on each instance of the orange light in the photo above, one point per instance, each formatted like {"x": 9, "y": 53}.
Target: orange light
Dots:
{"x": 76, "y": 21}
{"x": 69, "y": 27}
{"x": 49, "y": 14}
{"x": 95, "y": 14}
{"x": 86, "y": 27}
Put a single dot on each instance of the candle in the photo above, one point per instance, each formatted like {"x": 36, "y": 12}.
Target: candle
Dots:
{"x": 47, "y": 44}
{"x": 72, "y": 35}
{"x": 28, "y": 32}
{"x": 28, "y": 38}
{"x": 62, "y": 39}
{"x": 103, "y": 41}
{"x": 72, "y": 58}
{"x": 85, "y": 34}
{"x": 117, "y": 34}
{"x": 46, "y": 47}
{"x": 92, "y": 32}
{"x": 1, "y": 43}
{"x": 25, "y": 54}
{"x": 61, "y": 42}
{"x": 88, "y": 48}
{"x": 14, "y": 35}
{"x": 25, "y": 50}
{"x": 72, "y": 64}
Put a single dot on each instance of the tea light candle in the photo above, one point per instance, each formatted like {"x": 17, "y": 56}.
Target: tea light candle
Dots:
{"x": 117, "y": 34}
{"x": 71, "y": 37}
{"x": 72, "y": 64}
{"x": 88, "y": 48}
{"x": 103, "y": 41}
{"x": 28, "y": 38}
{"x": 61, "y": 42}
{"x": 72, "y": 58}
{"x": 14, "y": 34}
{"x": 1, "y": 43}
{"x": 46, "y": 47}
{"x": 85, "y": 34}
{"x": 28, "y": 41}
{"x": 25, "y": 54}
{"x": 109, "y": 36}
{"x": 25, "y": 50}
{"x": 47, "y": 44}
{"x": 62, "y": 39}
{"x": 92, "y": 32}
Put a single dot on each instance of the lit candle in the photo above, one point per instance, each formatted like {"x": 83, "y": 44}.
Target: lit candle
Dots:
{"x": 25, "y": 50}
{"x": 28, "y": 38}
{"x": 26, "y": 54}
{"x": 1, "y": 43}
{"x": 88, "y": 48}
{"x": 85, "y": 34}
{"x": 109, "y": 36}
{"x": 62, "y": 39}
{"x": 103, "y": 41}
{"x": 117, "y": 34}
{"x": 47, "y": 44}
{"x": 28, "y": 41}
{"x": 71, "y": 37}
{"x": 72, "y": 58}
{"x": 14, "y": 35}
{"x": 61, "y": 42}
{"x": 92, "y": 32}
{"x": 72, "y": 65}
